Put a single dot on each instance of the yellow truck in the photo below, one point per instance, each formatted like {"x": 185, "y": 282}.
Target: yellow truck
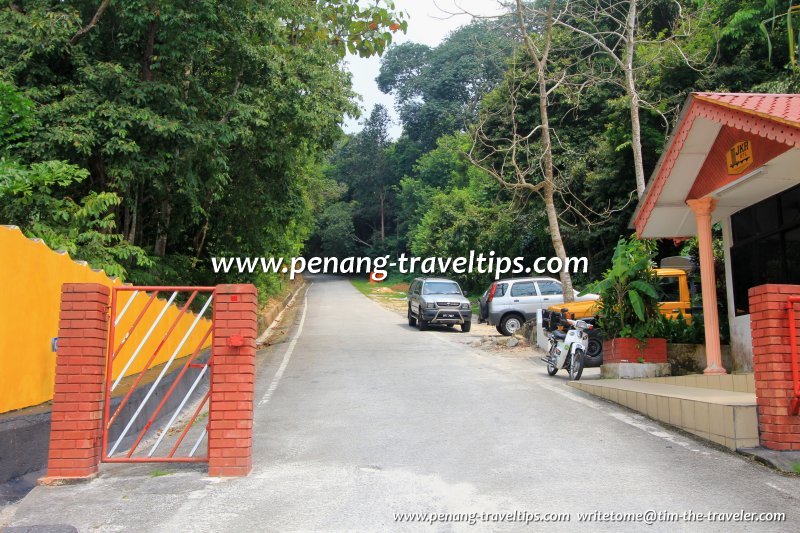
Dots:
{"x": 674, "y": 283}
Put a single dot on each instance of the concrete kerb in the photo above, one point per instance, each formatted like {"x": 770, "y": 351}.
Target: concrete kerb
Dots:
{"x": 285, "y": 305}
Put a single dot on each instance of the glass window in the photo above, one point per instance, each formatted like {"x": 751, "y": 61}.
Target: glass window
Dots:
{"x": 755, "y": 263}
{"x": 766, "y": 245}
{"x": 790, "y": 207}
{"x": 501, "y": 289}
{"x": 756, "y": 220}
{"x": 791, "y": 241}
{"x": 523, "y": 288}
{"x": 670, "y": 288}
{"x": 441, "y": 287}
{"x": 547, "y": 288}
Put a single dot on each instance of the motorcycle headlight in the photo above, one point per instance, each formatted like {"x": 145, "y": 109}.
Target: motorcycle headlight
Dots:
{"x": 465, "y": 306}
{"x": 430, "y": 305}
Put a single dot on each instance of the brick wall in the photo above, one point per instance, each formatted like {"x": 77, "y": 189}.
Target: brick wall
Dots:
{"x": 772, "y": 365}
{"x": 630, "y": 350}
{"x": 230, "y": 428}
{"x": 76, "y": 427}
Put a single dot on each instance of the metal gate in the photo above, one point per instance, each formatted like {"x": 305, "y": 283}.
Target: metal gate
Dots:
{"x": 158, "y": 381}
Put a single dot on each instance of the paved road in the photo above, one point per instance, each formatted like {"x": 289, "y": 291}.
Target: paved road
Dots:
{"x": 371, "y": 418}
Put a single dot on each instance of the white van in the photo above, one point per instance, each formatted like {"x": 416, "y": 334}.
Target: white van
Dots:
{"x": 508, "y": 303}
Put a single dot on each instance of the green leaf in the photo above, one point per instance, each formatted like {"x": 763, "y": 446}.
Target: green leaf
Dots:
{"x": 637, "y": 303}
{"x": 645, "y": 288}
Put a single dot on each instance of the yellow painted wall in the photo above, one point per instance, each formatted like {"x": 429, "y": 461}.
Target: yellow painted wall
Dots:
{"x": 31, "y": 276}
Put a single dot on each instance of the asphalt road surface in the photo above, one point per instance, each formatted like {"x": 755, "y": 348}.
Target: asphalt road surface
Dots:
{"x": 361, "y": 417}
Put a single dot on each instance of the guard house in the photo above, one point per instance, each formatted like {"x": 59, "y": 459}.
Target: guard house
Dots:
{"x": 734, "y": 159}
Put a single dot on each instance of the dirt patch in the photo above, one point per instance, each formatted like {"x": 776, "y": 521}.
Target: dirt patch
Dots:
{"x": 480, "y": 336}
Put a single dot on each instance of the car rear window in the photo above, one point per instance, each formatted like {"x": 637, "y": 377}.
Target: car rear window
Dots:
{"x": 501, "y": 289}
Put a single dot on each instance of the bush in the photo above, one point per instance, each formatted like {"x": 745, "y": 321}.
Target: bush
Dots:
{"x": 629, "y": 295}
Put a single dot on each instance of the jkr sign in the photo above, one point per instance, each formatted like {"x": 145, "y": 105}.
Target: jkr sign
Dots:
{"x": 740, "y": 157}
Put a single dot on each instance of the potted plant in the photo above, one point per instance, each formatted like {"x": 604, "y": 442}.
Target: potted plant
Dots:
{"x": 629, "y": 305}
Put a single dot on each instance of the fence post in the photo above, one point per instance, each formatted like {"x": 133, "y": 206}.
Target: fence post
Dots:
{"x": 230, "y": 426}
{"x": 772, "y": 364}
{"x": 76, "y": 423}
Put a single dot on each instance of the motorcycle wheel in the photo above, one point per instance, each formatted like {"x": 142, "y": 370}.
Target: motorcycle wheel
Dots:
{"x": 552, "y": 369}
{"x": 576, "y": 365}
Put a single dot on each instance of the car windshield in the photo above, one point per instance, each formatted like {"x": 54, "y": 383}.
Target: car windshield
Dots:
{"x": 441, "y": 287}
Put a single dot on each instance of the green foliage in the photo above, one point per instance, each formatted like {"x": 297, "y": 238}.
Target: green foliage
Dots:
{"x": 201, "y": 125}
{"x": 358, "y": 29}
{"x": 677, "y": 331}
{"x": 15, "y": 118}
{"x": 30, "y": 198}
{"x": 629, "y": 295}
{"x": 437, "y": 89}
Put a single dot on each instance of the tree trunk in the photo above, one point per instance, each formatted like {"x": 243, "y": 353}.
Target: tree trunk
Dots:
{"x": 147, "y": 74}
{"x": 134, "y": 215}
{"x": 383, "y": 216}
{"x": 160, "y": 248}
{"x": 633, "y": 95}
{"x": 549, "y": 188}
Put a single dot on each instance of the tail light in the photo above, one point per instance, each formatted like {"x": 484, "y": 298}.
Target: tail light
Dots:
{"x": 492, "y": 290}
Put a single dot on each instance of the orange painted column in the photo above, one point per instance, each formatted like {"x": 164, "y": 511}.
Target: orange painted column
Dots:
{"x": 703, "y": 207}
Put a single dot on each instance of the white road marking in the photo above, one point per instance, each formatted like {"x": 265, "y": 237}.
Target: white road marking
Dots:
{"x": 288, "y": 355}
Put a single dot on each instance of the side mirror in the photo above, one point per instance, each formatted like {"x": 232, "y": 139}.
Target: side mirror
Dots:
{"x": 465, "y": 293}
{"x": 564, "y": 310}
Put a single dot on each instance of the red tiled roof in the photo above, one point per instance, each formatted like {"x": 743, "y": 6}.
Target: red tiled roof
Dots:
{"x": 761, "y": 114}
{"x": 781, "y": 107}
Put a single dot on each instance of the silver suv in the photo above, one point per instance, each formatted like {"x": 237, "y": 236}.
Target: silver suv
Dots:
{"x": 508, "y": 303}
{"x": 438, "y": 301}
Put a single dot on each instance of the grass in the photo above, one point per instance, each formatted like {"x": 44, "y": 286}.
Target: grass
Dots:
{"x": 796, "y": 467}
{"x": 398, "y": 286}
{"x": 160, "y": 473}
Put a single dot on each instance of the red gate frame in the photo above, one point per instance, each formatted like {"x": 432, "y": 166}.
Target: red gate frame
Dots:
{"x": 110, "y": 355}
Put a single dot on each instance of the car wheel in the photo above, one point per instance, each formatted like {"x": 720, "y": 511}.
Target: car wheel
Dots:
{"x": 465, "y": 327}
{"x": 411, "y": 320}
{"x": 497, "y": 327}
{"x": 422, "y": 325}
{"x": 594, "y": 348}
{"x": 510, "y": 324}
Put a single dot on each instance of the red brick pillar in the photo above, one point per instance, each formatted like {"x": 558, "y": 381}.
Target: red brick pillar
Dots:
{"x": 76, "y": 424}
{"x": 772, "y": 363}
{"x": 230, "y": 426}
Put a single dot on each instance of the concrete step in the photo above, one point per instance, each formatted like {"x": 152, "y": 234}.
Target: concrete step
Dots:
{"x": 729, "y": 382}
{"x": 728, "y": 418}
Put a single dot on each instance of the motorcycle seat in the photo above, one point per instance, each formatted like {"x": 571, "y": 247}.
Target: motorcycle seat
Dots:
{"x": 559, "y": 334}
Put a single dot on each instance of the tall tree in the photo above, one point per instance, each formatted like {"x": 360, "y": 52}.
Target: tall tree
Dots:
{"x": 613, "y": 29}
{"x": 509, "y": 153}
{"x": 437, "y": 89}
{"x": 205, "y": 118}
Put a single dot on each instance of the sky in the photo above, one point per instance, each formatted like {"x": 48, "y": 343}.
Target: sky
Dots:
{"x": 429, "y": 22}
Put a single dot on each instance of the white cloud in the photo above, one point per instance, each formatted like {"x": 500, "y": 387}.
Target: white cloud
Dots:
{"x": 429, "y": 22}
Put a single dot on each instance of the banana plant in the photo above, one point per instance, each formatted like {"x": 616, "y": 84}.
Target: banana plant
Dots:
{"x": 629, "y": 294}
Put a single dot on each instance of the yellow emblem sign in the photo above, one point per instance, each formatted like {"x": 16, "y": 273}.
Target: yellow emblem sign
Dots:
{"x": 740, "y": 157}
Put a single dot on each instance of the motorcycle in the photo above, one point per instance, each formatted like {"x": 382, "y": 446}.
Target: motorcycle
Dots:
{"x": 567, "y": 348}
